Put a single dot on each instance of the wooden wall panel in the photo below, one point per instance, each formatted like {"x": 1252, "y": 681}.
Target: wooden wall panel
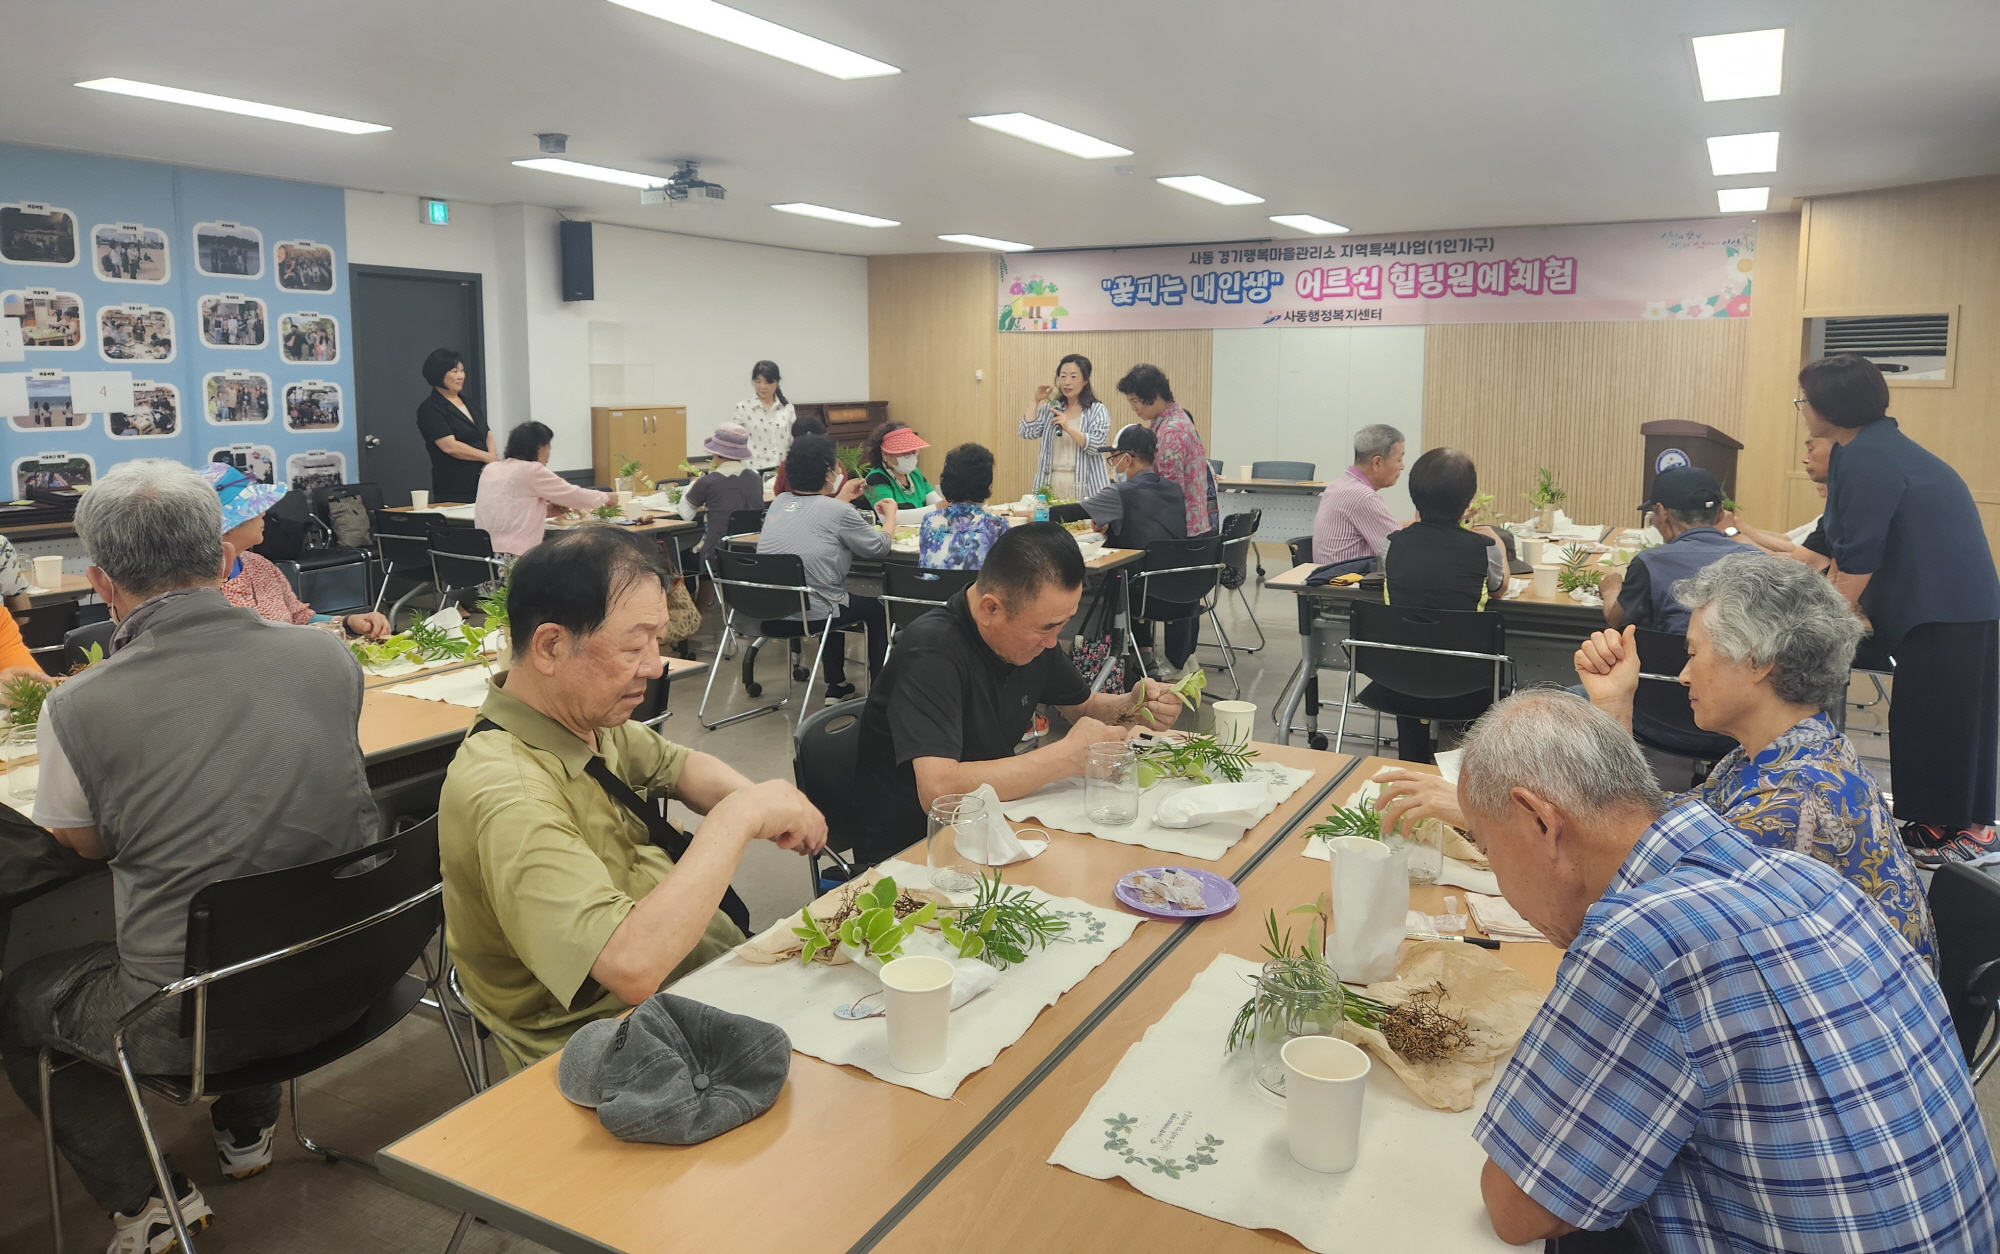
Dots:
{"x": 931, "y": 327}
{"x": 1028, "y": 359}
{"x": 1771, "y": 486}
{"x": 1571, "y": 395}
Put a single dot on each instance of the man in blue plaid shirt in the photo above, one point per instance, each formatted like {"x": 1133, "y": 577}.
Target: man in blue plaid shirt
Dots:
{"x": 1739, "y": 1054}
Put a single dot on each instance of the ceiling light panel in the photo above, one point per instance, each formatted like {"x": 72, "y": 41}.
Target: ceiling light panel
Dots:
{"x": 1038, "y": 131}
{"x": 1743, "y": 199}
{"x": 1743, "y": 154}
{"x": 758, "y": 35}
{"x": 1208, "y": 189}
{"x": 1309, "y": 224}
{"x": 834, "y": 215}
{"x": 230, "y": 104}
{"x": 987, "y": 241}
{"x": 599, "y": 173}
{"x": 1741, "y": 66}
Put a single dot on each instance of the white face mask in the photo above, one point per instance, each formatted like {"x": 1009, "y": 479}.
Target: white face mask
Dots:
{"x": 1119, "y": 476}
{"x": 904, "y": 465}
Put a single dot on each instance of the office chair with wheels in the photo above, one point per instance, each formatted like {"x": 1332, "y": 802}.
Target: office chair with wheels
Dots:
{"x": 758, "y": 590}
{"x": 1176, "y": 580}
{"x": 329, "y": 943}
{"x": 1965, "y": 907}
{"x": 910, "y": 592}
{"x": 1293, "y": 471}
{"x": 1439, "y": 665}
{"x": 825, "y": 753}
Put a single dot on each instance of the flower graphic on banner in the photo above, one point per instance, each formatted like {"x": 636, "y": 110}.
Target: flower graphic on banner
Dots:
{"x": 1034, "y": 305}
{"x": 1733, "y": 301}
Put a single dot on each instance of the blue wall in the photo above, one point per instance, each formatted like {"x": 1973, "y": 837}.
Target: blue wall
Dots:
{"x": 173, "y": 200}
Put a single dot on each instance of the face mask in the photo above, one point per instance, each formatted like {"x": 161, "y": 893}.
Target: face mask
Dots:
{"x": 904, "y": 465}
{"x": 1119, "y": 476}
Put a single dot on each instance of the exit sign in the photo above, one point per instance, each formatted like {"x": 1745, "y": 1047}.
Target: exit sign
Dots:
{"x": 435, "y": 212}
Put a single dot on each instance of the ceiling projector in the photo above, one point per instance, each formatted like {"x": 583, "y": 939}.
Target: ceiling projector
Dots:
{"x": 684, "y": 189}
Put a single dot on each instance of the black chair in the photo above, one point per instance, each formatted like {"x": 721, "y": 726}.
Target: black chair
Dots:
{"x": 328, "y": 943}
{"x": 1445, "y": 665}
{"x": 403, "y": 541}
{"x": 1660, "y": 696}
{"x": 910, "y": 592}
{"x": 332, "y": 577}
{"x": 1293, "y": 471}
{"x": 825, "y": 753}
{"x": 463, "y": 562}
{"x": 1965, "y": 907}
{"x": 1179, "y": 579}
{"x": 758, "y": 590}
{"x": 1302, "y": 550}
{"x": 370, "y": 496}
{"x": 77, "y": 642}
{"x": 1239, "y": 543}
{"x": 45, "y": 629}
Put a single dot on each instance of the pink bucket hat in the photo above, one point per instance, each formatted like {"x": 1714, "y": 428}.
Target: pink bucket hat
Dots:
{"x": 730, "y": 442}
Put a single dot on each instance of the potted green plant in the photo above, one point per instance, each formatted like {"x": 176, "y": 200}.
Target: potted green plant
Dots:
{"x": 1546, "y": 497}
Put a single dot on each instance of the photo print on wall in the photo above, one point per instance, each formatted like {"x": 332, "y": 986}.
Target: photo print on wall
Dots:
{"x": 49, "y": 319}
{"x": 259, "y": 461}
{"x": 135, "y": 333}
{"x": 235, "y": 396}
{"x": 303, "y": 266}
{"x": 35, "y": 234}
{"x": 53, "y": 472}
{"x": 223, "y": 248}
{"x": 51, "y": 404}
{"x": 306, "y": 471}
{"x": 312, "y": 405}
{"x": 156, "y": 412}
{"x": 306, "y": 337}
{"x": 231, "y": 320}
{"x": 126, "y": 252}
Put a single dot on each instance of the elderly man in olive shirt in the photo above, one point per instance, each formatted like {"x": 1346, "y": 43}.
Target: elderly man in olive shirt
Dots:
{"x": 559, "y": 906}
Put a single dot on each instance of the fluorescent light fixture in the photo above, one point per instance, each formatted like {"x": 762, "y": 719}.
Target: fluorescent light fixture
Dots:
{"x": 1208, "y": 189}
{"x": 1743, "y": 154}
{"x": 834, "y": 215}
{"x": 1037, "y": 131}
{"x": 601, "y": 173}
{"x": 987, "y": 241}
{"x": 759, "y": 35}
{"x": 1742, "y": 199}
{"x": 1309, "y": 224}
{"x": 229, "y": 104}
{"x": 1738, "y": 67}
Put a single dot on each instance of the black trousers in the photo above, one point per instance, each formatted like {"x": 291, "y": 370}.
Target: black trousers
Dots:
{"x": 1944, "y": 724}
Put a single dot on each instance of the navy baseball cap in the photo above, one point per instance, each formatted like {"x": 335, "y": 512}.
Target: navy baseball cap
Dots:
{"x": 1685, "y": 487}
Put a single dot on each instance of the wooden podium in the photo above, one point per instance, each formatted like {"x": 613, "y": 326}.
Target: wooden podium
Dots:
{"x": 1676, "y": 442}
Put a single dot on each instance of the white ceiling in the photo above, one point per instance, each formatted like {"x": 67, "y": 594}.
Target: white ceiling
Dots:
{"x": 1385, "y": 116}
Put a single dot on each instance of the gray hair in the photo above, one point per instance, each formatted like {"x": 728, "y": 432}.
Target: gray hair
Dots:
{"x": 1561, "y": 748}
{"x": 1377, "y": 440}
{"x": 1766, "y": 611}
{"x": 152, "y": 526}
{"x": 1696, "y": 517}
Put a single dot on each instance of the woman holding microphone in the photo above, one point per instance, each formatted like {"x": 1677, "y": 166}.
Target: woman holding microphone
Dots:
{"x": 1071, "y": 423}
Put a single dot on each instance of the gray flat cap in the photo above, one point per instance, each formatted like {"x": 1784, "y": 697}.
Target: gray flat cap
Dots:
{"x": 675, "y": 1071}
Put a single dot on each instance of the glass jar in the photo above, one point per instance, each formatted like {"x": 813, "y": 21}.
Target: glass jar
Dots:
{"x": 1295, "y": 997}
{"x": 1424, "y": 847}
{"x": 20, "y": 764}
{"x": 1111, "y": 784}
{"x": 951, "y": 872}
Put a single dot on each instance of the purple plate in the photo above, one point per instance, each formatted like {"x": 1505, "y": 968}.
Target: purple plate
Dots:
{"x": 1218, "y": 894}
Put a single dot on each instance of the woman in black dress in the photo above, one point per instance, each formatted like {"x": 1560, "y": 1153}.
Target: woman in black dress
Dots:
{"x": 455, "y": 433}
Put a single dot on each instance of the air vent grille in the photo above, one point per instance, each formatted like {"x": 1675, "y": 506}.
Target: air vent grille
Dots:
{"x": 1890, "y": 335}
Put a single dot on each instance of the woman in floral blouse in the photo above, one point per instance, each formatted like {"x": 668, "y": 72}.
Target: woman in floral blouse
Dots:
{"x": 957, "y": 536}
{"x": 1072, "y": 425}
{"x": 767, "y": 417}
{"x": 1182, "y": 457}
{"x": 255, "y": 582}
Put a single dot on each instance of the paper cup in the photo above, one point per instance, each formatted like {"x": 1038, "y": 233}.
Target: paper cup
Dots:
{"x": 1545, "y": 581}
{"x": 1243, "y": 472}
{"x": 48, "y": 572}
{"x": 917, "y": 994}
{"x": 1233, "y": 721}
{"x": 1325, "y": 1081}
{"x": 420, "y": 500}
{"x": 1531, "y": 550}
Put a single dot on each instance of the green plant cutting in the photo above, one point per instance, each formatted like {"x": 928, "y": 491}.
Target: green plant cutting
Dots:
{"x": 1197, "y": 758}
{"x": 1001, "y": 926}
{"x": 494, "y": 605}
{"x": 872, "y": 929}
{"x": 25, "y": 694}
{"x": 850, "y": 460}
{"x": 381, "y": 652}
{"x": 607, "y": 512}
{"x": 1364, "y": 821}
{"x": 1480, "y": 512}
{"x": 1546, "y": 493}
{"x": 424, "y": 643}
{"x": 1577, "y": 570}
{"x": 1189, "y": 689}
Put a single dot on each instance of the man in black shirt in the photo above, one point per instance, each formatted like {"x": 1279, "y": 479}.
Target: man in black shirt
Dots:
{"x": 955, "y": 707}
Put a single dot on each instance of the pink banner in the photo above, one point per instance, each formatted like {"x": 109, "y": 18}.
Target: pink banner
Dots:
{"x": 1614, "y": 272}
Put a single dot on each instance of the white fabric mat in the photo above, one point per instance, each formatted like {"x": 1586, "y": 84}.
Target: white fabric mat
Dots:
{"x": 465, "y": 687}
{"x": 801, "y": 999}
{"x": 1456, "y": 872}
{"x": 410, "y": 666}
{"x": 1515, "y": 587}
{"x": 1061, "y": 806}
{"x": 1186, "y": 1124}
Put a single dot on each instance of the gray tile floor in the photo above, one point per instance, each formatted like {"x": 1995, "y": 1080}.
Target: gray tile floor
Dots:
{"x": 305, "y": 1206}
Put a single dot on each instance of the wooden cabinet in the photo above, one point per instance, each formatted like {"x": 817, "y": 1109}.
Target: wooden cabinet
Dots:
{"x": 654, "y": 435}
{"x": 848, "y": 422}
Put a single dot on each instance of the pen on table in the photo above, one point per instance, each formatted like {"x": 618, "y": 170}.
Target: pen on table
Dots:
{"x": 1481, "y": 941}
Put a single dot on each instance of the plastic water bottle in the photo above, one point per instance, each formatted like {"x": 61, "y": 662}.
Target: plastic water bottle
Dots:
{"x": 1041, "y": 507}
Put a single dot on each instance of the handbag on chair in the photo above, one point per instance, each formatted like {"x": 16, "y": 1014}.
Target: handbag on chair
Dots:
{"x": 683, "y": 617}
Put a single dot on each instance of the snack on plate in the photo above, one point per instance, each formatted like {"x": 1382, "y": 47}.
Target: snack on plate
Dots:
{"x": 1176, "y": 890}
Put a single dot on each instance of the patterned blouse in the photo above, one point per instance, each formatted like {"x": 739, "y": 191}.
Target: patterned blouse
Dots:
{"x": 770, "y": 431}
{"x": 957, "y": 536}
{"x": 1806, "y": 792}
{"x": 1183, "y": 459}
{"x": 259, "y": 585}
{"x": 1092, "y": 476}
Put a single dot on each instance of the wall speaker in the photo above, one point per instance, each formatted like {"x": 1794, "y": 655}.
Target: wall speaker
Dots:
{"x": 578, "y": 276}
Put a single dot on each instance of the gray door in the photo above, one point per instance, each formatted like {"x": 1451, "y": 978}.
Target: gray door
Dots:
{"x": 399, "y": 317}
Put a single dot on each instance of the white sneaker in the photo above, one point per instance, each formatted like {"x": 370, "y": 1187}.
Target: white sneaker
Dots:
{"x": 240, "y": 1162}
{"x": 151, "y": 1231}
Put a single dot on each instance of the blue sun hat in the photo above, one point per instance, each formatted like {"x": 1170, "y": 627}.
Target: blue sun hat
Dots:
{"x": 243, "y": 498}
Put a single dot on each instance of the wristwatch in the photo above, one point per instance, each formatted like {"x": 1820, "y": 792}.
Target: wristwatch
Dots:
{"x": 1729, "y": 531}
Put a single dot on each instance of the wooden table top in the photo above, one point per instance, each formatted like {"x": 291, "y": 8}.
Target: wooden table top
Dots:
{"x": 392, "y": 725}
{"x": 1294, "y": 580}
{"x": 524, "y": 1158}
{"x": 1106, "y": 559}
{"x": 1005, "y": 1196}
{"x": 72, "y": 587}
{"x": 666, "y": 525}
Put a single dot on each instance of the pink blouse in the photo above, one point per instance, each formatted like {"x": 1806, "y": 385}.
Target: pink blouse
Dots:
{"x": 515, "y": 498}
{"x": 262, "y": 587}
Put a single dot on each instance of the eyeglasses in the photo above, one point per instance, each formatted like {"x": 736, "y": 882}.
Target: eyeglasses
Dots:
{"x": 1799, "y": 403}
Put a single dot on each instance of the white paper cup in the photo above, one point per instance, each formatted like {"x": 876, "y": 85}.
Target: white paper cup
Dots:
{"x": 1233, "y": 721}
{"x": 420, "y": 500}
{"x": 917, "y": 994}
{"x": 1531, "y": 550}
{"x": 48, "y": 572}
{"x": 1545, "y": 581}
{"x": 1243, "y": 472}
{"x": 1325, "y": 1080}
